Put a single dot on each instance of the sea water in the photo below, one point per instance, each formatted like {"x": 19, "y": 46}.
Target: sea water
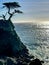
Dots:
{"x": 36, "y": 39}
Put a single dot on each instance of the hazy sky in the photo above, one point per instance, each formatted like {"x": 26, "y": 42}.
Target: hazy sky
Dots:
{"x": 34, "y": 10}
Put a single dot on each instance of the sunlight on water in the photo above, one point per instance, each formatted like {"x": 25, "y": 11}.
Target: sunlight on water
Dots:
{"x": 36, "y": 38}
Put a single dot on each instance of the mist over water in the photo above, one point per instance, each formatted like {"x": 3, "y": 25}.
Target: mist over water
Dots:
{"x": 36, "y": 38}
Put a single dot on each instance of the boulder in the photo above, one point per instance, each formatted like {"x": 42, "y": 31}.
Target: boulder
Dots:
{"x": 35, "y": 62}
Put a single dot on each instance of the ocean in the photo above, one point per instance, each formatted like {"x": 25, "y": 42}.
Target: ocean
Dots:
{"x": 36, "y": 39}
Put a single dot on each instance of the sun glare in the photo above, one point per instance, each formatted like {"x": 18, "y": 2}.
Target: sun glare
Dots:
{"x": 45, "y": 22}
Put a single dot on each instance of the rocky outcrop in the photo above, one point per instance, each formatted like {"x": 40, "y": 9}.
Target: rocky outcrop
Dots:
{"x": 9, "y": 40}
{"x": 12, "y": 50}
{"x": 36, "y": 62}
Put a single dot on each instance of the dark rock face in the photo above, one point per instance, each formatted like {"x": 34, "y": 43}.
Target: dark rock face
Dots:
{"x": 10, "y": 62}
{"x": 1, "y": 63}
{"x": 12, "y": 47}
{"x": 9, "y": 40}
{"x": 35, "y": 62}
{"x": 5, "y": 46}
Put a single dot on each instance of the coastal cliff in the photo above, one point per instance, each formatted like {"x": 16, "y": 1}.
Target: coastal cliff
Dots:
{"x": 12, "y": 50}
{"x": 9, "y": 40}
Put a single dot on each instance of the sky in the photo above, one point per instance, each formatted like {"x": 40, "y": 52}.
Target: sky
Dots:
{"x": 36, "y": 11}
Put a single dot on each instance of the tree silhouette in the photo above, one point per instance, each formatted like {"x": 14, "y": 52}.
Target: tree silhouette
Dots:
{"x": 12, "y": 5}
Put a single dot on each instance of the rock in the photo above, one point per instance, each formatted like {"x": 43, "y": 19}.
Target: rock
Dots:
{"x": 10, "y": 41}
{"x": 10, "y": 62}
{"x": 42, "y": 61}
{"x": 11, "y": 46}
{"x": 35, "y": 62}
{"x": 21, "y": 63}
{"x": 1, "y": 63}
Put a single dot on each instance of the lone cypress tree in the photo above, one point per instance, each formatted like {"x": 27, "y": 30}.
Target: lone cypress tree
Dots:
{"x": 12, "y": 5}
{"x": 9, "y": 6}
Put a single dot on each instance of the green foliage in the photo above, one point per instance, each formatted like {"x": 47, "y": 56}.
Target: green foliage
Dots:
{"x": 11, "y": 5}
